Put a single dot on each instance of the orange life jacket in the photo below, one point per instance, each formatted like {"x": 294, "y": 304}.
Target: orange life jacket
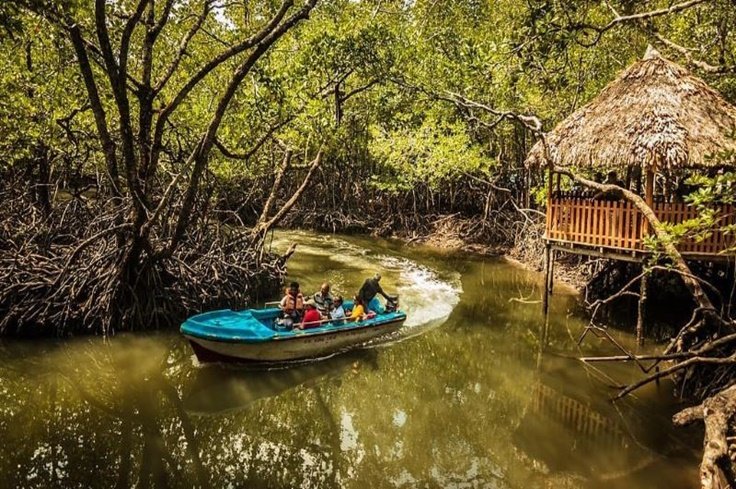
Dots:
{"x": 289, "y": 303}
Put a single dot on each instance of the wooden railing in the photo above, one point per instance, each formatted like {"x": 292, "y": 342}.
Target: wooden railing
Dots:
{"x": 619, "y": 225}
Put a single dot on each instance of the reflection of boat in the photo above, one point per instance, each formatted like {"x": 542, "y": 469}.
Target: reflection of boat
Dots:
{"x": 252, "y": 335}
{"x": 224, "y": 390}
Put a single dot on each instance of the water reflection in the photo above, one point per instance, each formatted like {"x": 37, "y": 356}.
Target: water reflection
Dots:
{"x": 468, "y": 403}
{"x": 217, "y": 389}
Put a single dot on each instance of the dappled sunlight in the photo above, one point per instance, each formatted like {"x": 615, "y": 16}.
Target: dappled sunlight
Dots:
{"x": 465, "y": 403}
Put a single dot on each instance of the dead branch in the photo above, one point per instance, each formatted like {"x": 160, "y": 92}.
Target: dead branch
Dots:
{"x": 717, "y": 414}
{"x": 633, "y": 18}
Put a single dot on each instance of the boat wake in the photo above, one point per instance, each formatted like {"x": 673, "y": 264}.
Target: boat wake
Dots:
{"x": 427, "y": 295}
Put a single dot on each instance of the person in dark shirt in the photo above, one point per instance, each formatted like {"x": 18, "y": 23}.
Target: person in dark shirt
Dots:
{"x": 367, "y": 294}
{"x": 611, "y": 179}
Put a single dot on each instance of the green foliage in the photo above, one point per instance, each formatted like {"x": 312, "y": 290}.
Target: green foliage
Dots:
{"x": 40, "y": 90}
{"x": 434, "y": 153}
{"x": 712, "y": 193}
{"x": 391, "y": 61}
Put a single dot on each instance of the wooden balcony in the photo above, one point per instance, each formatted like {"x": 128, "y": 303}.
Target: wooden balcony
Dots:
{"x": 604, "y": 227}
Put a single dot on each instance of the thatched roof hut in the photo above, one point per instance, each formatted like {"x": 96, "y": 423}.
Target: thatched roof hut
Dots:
{"x": 655, "y": 114}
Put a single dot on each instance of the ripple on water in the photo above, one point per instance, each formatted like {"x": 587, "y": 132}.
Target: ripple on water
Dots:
{"x": 427, "y": 296}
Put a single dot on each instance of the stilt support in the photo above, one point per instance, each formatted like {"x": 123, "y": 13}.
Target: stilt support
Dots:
{"x": 641, "y": 317}
{"x": 551, "y": 270}
{"x": 549, "y": 259}
{"x": 547, "y": 279}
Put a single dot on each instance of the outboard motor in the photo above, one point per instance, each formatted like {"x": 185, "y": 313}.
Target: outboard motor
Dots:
{"x": 392, "y": 303}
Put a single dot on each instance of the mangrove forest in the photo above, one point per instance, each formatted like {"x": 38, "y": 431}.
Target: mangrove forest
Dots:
{"x": 368, "y": 244}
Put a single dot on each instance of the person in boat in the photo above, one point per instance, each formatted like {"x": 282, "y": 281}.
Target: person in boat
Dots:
{"x": 367, "y": 294}
{"x": 358, "y": 312}
{"x": 312, "y": 317}
{"x": 324, "y": 299}
{"x": 292, "y": 305}
{"x": 337, "y": 314}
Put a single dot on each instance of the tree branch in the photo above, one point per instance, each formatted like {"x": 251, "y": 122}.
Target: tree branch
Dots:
{"x": 249, "y": 154}
{"x": 201, "y": 153}
{"x": 678, "y": 7}
{"x": 621, "y": 19}
{"x": 130, "y": 26}
{"x": 690, "y": 60}
{"x": 182, "y": 94}
{"x": 108, "y": 146}
{"x": 265, "y": 226}
{"x": 183, "y": 45}
{"x": 276, "y": 186}
{"x": 356, "y": 91}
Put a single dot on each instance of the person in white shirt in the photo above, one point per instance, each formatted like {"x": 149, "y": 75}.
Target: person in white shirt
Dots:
{"x": 337, "y": 313}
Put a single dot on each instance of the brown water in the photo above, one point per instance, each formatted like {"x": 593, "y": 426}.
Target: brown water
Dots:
{"x": 461, "y": 399}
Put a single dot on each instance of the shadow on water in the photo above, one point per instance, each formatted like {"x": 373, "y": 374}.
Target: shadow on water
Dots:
{"x": 469, "y": 402}
{"x": 218, "y": 389}
{"x": 573, "y": 431}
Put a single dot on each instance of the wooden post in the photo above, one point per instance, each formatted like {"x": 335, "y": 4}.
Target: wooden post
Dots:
{"x": 547, "y": 281}
{"x": 548, "y": 210}
{"x": 548, "y": 258}
{"x": 648, "y": 198}
{"x": 641, "y": 317}
{"x": 551, "y": 271}
{"x": 545, "y": 300}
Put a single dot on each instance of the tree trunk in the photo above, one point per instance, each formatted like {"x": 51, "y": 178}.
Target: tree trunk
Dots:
{"x": 679, "y": 263}
{"x": 262, "y": 228}
{"x": 717, "y": 414}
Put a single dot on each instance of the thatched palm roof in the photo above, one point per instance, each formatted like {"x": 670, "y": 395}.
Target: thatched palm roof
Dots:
{"x": 656, "y": 113}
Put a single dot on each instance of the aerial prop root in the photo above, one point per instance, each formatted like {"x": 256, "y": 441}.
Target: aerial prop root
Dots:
{"x": 65, "y": 273}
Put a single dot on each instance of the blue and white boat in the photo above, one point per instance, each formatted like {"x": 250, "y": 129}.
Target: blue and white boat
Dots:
{"x": 253, "y": 335}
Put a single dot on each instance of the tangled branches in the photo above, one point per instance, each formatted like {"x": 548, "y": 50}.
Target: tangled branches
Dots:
{"x": 63, "y": 272}
{"x": 700, "y": 358}
{"x": 717, "y": 413}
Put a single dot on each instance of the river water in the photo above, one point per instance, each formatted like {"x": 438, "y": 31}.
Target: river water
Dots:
{"x": 463, "y": 397}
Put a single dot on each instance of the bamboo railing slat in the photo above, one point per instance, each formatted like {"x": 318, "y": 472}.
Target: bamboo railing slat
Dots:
{"x": 618, "y": 224}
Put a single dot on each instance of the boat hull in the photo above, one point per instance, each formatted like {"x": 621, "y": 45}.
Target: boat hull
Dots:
{"x": 298, "y": 347}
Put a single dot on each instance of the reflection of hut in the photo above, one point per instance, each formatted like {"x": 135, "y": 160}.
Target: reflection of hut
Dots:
{"x": 577, "y": 416}
{"x": 651, "y": 126}
{"x": 586, "y": 438}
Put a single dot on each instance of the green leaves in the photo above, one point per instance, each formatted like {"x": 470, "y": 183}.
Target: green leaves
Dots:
{"x": 437, "y": 152}
{"x": 361, "y": 76}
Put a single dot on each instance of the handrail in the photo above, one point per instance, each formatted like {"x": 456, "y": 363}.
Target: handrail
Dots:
{"x": 310, "y": 322}
{"x": 619, "y": 225}
{"x": 323, "y": 321}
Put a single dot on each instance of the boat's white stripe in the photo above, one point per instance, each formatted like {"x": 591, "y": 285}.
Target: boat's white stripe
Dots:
{"x": 297, "y": 347}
